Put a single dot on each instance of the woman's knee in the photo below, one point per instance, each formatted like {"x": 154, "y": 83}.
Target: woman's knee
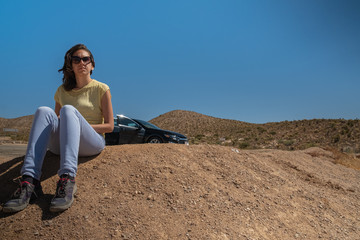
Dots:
{"x": 44, "y": 111}
{"x": 67, "y": 109}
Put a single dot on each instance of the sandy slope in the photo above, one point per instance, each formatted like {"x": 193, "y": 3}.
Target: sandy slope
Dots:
{"x": 194, "y": 192}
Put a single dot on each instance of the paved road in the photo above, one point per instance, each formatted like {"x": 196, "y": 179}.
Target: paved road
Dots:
{"x": 12, "y": 150}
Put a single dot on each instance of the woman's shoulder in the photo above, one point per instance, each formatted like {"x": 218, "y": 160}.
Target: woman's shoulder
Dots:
{"x": 60, "y": 91}
{"x": 60, "y": 88}
{"x": 99, "y": 84}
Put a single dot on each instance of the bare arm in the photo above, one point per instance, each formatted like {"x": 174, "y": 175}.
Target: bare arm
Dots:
{"x": 108, "y": 115}
{"x": 57, "y": 108}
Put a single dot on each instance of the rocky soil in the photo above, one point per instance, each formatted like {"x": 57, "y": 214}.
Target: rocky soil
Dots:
{"x": 169, "y": 191}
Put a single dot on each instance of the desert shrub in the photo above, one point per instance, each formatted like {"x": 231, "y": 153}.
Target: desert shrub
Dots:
{"x": 336, "y": 139}
{"x": 309, "y": 145}
{"x": 287, "y": 142}
{"x": 244, "y": 145}
{"x": 199, "y": 136}
{"x": 344, "y": 130}
{"x": 20, "y": 137}
{"x": 261, "y": 129}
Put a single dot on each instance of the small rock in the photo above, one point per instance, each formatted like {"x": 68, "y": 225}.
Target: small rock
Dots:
{"x": 150, "y": 197}
{"x": 47, "y": 223}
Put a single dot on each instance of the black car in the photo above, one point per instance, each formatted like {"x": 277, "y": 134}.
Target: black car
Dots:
{"x": 128, "y": 130}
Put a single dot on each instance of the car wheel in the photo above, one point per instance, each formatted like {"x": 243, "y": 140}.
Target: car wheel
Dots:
{"x": 154, "y": 140}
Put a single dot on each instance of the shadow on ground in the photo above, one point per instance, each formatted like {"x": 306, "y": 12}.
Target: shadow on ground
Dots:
{"x": 10, "y": 176}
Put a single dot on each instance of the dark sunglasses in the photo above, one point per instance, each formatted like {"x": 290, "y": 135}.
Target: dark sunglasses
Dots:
{"x": 77, "y": 60}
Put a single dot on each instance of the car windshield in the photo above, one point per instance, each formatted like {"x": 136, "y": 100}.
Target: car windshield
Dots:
{"x": 147, "y": 124}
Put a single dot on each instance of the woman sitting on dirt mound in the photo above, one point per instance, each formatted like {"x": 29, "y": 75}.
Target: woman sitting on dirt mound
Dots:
{"x": 83, "y": 113}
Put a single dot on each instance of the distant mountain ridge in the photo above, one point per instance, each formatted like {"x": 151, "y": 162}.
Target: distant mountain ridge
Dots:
{"x": 341, "y": 134}
{"x": 289, "y": 135}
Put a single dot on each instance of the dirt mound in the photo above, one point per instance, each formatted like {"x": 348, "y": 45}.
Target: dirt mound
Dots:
{"x": 172, "y": 191}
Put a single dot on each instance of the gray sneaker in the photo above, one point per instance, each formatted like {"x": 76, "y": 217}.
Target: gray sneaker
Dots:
{"x": 64, "y": 196}
{"x": 25, "y": 193}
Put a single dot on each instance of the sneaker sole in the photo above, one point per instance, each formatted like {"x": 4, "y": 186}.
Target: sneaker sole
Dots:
{"x": 64, "y": 207}
{"x": 14, "y": 209}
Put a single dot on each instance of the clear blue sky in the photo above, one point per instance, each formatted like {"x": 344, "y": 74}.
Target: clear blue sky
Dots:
{"x": 256, "y": 61}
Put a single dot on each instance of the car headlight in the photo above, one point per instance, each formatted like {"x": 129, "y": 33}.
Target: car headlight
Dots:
{"x": 174, "y": 137}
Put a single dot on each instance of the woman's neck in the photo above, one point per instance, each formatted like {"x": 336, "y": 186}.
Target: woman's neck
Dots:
{"x": 82, "y": 81}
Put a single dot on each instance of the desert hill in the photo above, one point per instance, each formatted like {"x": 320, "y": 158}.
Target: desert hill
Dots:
{"x": 168, "y": 191}
{"x": 341, "y": 134}
{"x": 288, "y": 135}
{"x": 21, "y": 124}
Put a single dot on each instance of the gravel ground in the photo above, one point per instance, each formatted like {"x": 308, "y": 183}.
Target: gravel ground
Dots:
{"x": 170, "y": 191}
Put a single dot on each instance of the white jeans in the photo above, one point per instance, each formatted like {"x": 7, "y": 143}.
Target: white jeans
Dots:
{"x": 70, "y": 136}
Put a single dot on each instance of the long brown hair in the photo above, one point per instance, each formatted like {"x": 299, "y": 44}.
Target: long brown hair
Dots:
{"x": 69, "y": 80}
